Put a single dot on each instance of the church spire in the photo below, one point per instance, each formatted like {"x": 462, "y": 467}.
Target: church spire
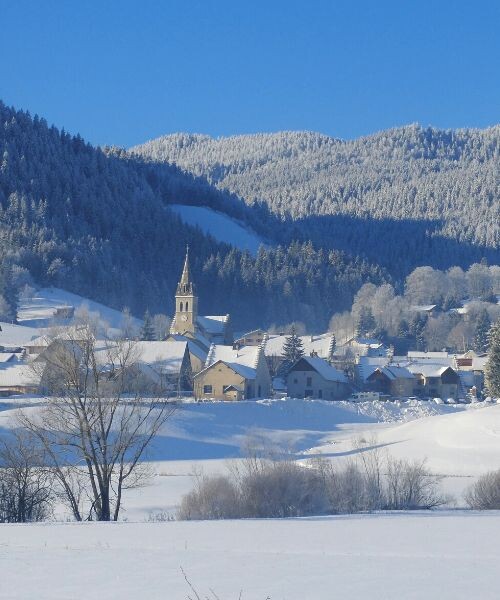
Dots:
{"x": 185, "y": 285}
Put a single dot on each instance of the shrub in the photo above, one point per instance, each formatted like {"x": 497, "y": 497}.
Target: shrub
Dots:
{"x": 272, "y": 488}
{"x": 485, "y": 493}
{"x": 411, "y": 486}
{"x": 214, "y": 497}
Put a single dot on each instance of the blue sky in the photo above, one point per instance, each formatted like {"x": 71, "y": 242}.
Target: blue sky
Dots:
{"x": 124, "y": 72}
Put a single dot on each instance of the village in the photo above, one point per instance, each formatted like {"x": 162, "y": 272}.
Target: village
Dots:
{"x": 202, "y": 359}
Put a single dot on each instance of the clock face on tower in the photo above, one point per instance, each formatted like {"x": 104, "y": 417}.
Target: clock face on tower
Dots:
{"x": 184, "y": 318}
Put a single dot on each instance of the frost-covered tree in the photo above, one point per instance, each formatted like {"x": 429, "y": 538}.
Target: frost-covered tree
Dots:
{"x": 483, "y": 326}
{"x": 293, "y": 349}
{"x": 492, "y": 370}
{"x": 147, "y": 330}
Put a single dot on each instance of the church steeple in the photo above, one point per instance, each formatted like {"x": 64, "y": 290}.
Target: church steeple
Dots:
{"x": 185, "y": 285}
{"x": 186, "y": 302}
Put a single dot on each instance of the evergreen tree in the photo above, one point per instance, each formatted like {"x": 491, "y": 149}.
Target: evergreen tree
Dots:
{"x": 403, "y": 329}
{"x": 417, "y": 326}
{"x": 293, "y": 349}
{"x": 366, "y": 324}
{"x": 147, "y": 330}
{"x": 492, "y": 370}
{"x": 483, "y": 326}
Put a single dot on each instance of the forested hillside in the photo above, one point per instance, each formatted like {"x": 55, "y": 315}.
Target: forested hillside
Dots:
{"x": 96, "y": 222}
{"x": 403, "y": 197}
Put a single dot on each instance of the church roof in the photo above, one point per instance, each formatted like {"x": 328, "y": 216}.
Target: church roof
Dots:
{"x": 213, "y": 324}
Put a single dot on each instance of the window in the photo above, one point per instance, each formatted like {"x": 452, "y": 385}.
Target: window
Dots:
{"x": 182, "y": 306}
{"x": 320, "y": 393}
{"x": 187, "y": 306}
{"x": 259, "y": 393}
{"x": 295, "y": 381}
{"x": 309, "y": 381}
{"x": 207, "y": 389}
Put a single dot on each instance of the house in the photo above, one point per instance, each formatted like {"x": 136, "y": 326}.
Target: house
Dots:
{"x": 233, "y": 374}
{"x": 361, "y": 346}
{"x": 426, "y": 309}
{"x": 154, "y": 366}
{"x": 13, "y": 337}
{"x": 392, "y": 379}
{"x": 216, "y": 329}
{"x": 313, "y": 377}
{"x": 251, "y": 338}
{"x": 434, "y": 379}
{"x": 18, "y": 378}
{"x": 321, "y": 346}
{"x": 197, "y": 351}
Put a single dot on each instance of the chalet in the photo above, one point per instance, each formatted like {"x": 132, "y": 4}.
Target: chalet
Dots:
{"x": 313, "y": 377}
{"x": 233, "y": 374}
{"x": 211, "y": 329}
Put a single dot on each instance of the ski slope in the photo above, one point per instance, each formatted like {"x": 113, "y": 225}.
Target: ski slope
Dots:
{"x": 220, "y": 226}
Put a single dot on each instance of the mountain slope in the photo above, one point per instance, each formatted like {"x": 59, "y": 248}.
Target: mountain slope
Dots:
{"x": 97, "y": 222}
{"x": 427, "y": 195}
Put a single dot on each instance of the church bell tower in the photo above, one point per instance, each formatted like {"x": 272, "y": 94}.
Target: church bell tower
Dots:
{"x": 186, "y": 302}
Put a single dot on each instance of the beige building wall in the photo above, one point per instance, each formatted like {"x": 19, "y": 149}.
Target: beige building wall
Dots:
{"x": 303, "y": 384}
{"x": 212, "y": 382}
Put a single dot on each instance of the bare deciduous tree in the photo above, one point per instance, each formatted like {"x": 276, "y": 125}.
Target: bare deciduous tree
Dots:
{"x": 25, "y": 481}
{"x": 96, "y": 424}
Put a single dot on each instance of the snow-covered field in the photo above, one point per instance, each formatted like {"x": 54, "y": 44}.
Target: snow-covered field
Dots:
{"x": 39, "y": 310}
{"x": 392, "y": 557}
{"x": 220, "y": 226}
{"x": 443, "y": 554}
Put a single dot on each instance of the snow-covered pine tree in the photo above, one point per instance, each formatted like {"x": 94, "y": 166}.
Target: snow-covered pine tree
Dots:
{"x": 492, "y": 370}
{"x": 293, "y": 350}
{"x": 483, "y": 326}
{"x": 147, "y": 330}
{"x": 366, "y": 324}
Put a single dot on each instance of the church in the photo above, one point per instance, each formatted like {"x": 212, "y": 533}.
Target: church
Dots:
{"x": 205, "y": 330}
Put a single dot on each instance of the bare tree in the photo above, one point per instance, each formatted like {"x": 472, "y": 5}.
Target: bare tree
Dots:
{"x": 25, "y": 481}
{"x": 97, "y": 424}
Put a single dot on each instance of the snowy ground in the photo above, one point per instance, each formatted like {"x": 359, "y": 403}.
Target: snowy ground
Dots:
{"x": 444, "y": 554}
{"x": 399, "y": 556}
{"x": 220, "y": 226}
{"x": 39, "y": 310}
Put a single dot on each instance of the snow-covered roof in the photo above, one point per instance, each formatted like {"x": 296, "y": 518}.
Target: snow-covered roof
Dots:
{"x": 196, "y": 346}
{"x": 243, "y": 361}
{"x": 414, "y": 354}
{"x": 326, "y": 371}
{"x": 164, "y": 356}
{"x": 423, "y": 307}
{"x": 321, "y": 344}
{"x": 427, "y": 369}
{"x": 213, "y": 324}
{"x": 18, "y": 374}
{"x": 15, "y": 336}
